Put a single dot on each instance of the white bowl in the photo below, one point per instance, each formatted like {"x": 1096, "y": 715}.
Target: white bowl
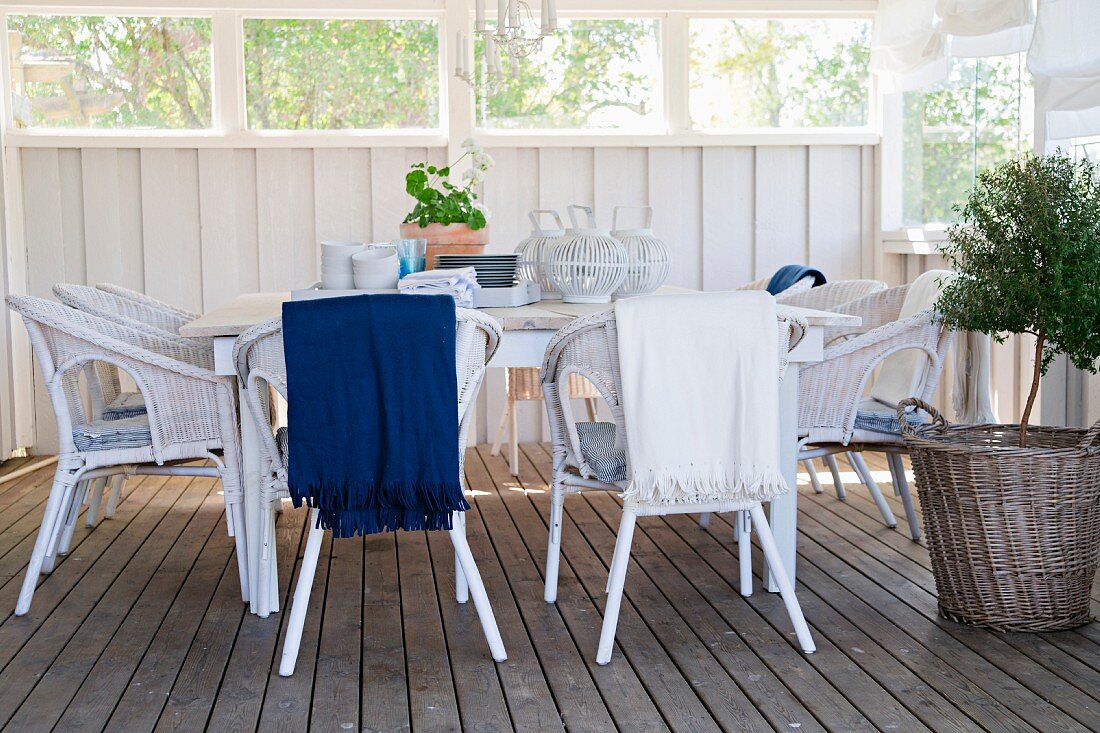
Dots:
{"x": 337, "y": 282}
{"x": 339, "y": 250}
{"x": 375, "y": 281}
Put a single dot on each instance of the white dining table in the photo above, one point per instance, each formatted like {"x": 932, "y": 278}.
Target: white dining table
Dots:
{"x": 527, "y": 331}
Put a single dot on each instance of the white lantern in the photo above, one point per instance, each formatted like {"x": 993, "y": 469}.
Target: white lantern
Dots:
{"x": 649, "y": 259}
{"x": 534, "y": 253}
{"x": 588, "y": 264}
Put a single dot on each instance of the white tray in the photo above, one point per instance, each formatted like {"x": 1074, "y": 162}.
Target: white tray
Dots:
{"x": 513, "y": 297}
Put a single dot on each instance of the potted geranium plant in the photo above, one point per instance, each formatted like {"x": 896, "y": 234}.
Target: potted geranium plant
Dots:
{"x": 1012, "y": 512}
{"x": 445, "y": 214}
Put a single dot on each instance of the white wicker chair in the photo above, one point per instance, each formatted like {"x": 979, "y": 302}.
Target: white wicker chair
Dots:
{"x": 830, "y": 391}
{"x": 258, "y": 354}
{"x": 190, "y": 414}
{"x": 164, "y": 314}
{"x": 589, "y": 347}
{"x": 150, "y": 316}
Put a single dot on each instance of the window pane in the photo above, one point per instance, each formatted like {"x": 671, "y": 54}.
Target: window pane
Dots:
{"x": 980, "y": 116}
{"x": 594, "y": 74}
{"x": 111, "y": 71}
{"x": 794, "y": 73}
{"x": 341, "y": 74}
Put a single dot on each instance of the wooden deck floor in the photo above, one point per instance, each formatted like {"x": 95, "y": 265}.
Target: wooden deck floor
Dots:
{"x": 141, "y": 628}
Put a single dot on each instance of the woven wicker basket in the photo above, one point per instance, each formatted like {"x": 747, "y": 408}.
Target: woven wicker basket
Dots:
{"x": 1013, "y": 533}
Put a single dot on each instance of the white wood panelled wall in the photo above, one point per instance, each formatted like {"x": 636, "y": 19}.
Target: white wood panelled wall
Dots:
{"x": 198, "y": 226}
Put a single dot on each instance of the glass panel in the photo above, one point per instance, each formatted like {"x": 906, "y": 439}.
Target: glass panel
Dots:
{"x": 590, "y": 74}
{"x": 110, "y": 71}
{"x": 796, "y": 73}
{"x": 980, "y": 116}
{"x": 341, "y": 74}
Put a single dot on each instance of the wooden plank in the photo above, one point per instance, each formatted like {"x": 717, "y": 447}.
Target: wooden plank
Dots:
{"x": 511, "y": 190}
{"x": 565, "y": 177}
{"x": 223, "y": 677}
{"x": 342, "y": 194}
{"x": 835, "y": 193}
{"x": 336, "y": 677}
{"x": 117, "y": 633}
{"x": 389, "y": 202}
{"x": 781, "y": 208}
{"x": 868, "y": 214}
{"x": 384, "y": 684}
{"x": 289, "y": 256}
{"x": 566, "y": 637}
{"x": 230, "y": 238}
{"x": 111, "y": 185}
{"x": 171, "y": 224}
{"x": 620, "y": 178}
{"x": 729, "y": 216}
{"x": 674, "y": 696}
{"x": 24, "y": 663}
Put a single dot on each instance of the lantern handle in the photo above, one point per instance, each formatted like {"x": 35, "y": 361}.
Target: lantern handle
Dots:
{"x": 573, "y": 208}
{"x": 533, "y": 215}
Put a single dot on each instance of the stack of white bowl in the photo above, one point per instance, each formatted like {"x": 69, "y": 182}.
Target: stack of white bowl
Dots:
{"x": 375, "y": 268}
{"x": 337, "y": 272}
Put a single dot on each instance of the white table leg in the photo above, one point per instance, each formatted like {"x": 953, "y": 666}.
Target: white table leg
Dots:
{"x": 783, "y": 512}
{"x": 253, "y": 521}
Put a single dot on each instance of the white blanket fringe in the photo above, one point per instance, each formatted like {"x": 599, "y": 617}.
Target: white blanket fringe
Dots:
{"x": 696, "y": 485}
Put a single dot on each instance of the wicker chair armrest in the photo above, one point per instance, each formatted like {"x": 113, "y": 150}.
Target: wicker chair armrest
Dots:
{"x": 874, "y": 310}
{"x": 831, "y": 390}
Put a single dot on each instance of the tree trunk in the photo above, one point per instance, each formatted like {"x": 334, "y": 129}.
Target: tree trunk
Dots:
{"x": 1040, "y": 341}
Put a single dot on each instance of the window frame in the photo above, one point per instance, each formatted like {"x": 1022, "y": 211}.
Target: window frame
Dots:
{"x": 456, "y": 104}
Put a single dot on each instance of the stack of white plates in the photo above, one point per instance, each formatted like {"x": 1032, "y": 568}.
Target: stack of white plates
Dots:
{"x": 336, "y": 266}
{"x": 375, "y": 268}
{"x": 493, "y": 271}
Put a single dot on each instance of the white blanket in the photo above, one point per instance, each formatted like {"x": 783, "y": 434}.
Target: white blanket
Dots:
{"x": 700, "y": 384}
{"x": 459, "y": 284}
{"x": 970, "y": 393}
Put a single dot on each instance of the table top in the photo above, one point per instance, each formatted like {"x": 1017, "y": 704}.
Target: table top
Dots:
{"x": 245, "y": 311}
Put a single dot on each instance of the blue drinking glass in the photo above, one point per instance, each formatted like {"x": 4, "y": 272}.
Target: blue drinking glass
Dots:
{"x": 411, "y": 254}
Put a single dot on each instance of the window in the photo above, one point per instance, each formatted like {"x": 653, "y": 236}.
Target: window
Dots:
{"x": 791, "y": 73}
{"x": 593, "y": 74}
{"x": 980, "y": 116}
{"x": 110, "y": 71}
{"x": 341, "y": 74}
{"x": 1087, "y": 147}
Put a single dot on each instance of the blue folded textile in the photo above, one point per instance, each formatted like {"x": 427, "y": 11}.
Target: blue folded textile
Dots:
{"x": 788, "y": 275}
{"x": 373, "y": 411}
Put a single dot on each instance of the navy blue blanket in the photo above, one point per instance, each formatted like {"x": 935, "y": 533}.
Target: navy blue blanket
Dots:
{"x": 788, "y": 275}
{"x": 373, "y": 411}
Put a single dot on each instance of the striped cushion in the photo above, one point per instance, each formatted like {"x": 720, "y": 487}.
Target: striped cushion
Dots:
{"x": 877, "y": 418}
{"x": 127, "y": 404}
{"x": 130, "y": 432}
{"x": 283, "y": 446}
{"x": 598, "y": 449}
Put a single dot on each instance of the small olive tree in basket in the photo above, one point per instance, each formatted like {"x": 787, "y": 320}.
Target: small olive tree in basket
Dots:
{"x": 1027, "y": 251}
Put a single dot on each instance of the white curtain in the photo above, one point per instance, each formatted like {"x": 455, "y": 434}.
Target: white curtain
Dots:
{"x": 913, "y": 39}
{"x": 1065, "y": 60}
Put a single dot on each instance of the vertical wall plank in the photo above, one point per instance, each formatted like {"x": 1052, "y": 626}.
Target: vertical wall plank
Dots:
{"x": 728, "y": 213}
{"x": 620, "y": 178}
{"x": 781, "y": 208}
{"x": 289, "y": 256}
{"x": 342, "y": 194}
{"x": 170, "y": 226}
{"x": 389, "y": 202}
{"x": 868, "y": 212}
{"x": 510, "y": 191}
{"x": 835, "y": 211}
{"x": 112, "y": 216}
{"x": 565, "y": 177}
{"x": 227, "y": 210}
{"x": 674, "y": 179}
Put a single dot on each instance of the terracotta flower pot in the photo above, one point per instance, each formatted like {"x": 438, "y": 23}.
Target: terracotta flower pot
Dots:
{"x": 448, "y": 239}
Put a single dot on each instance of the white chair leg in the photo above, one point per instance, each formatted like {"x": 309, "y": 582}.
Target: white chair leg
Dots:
{"x": 60, "y": 495}
{"x": 880, "y": 501}
{"x": 508, "y": 407}
{"x": 95, "y": 498}
{"x": 462, "y": 588}
{"x": 513, "y": 460}
{"x": 830, "y": 461}
{"x": 116, "y": 492}
{"x": 782, "y": 579}
{"x": 298, "y": 607}
{"x": 617, "y": 581}
{"x": 65, "y": 536}
{"x": 621, "y": 549}
{"x": 743, "y": 523}
{"x": 481, "y": 598}
{"x": 267, "y": 547}
{"x": 902, "y": 484}
{"x": 553, "y": 544}
{"x": 808, "y": 464}
{"x": 704, "y": 520}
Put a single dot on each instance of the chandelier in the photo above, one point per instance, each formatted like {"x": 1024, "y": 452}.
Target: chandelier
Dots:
{"x": 517, "y": 35}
